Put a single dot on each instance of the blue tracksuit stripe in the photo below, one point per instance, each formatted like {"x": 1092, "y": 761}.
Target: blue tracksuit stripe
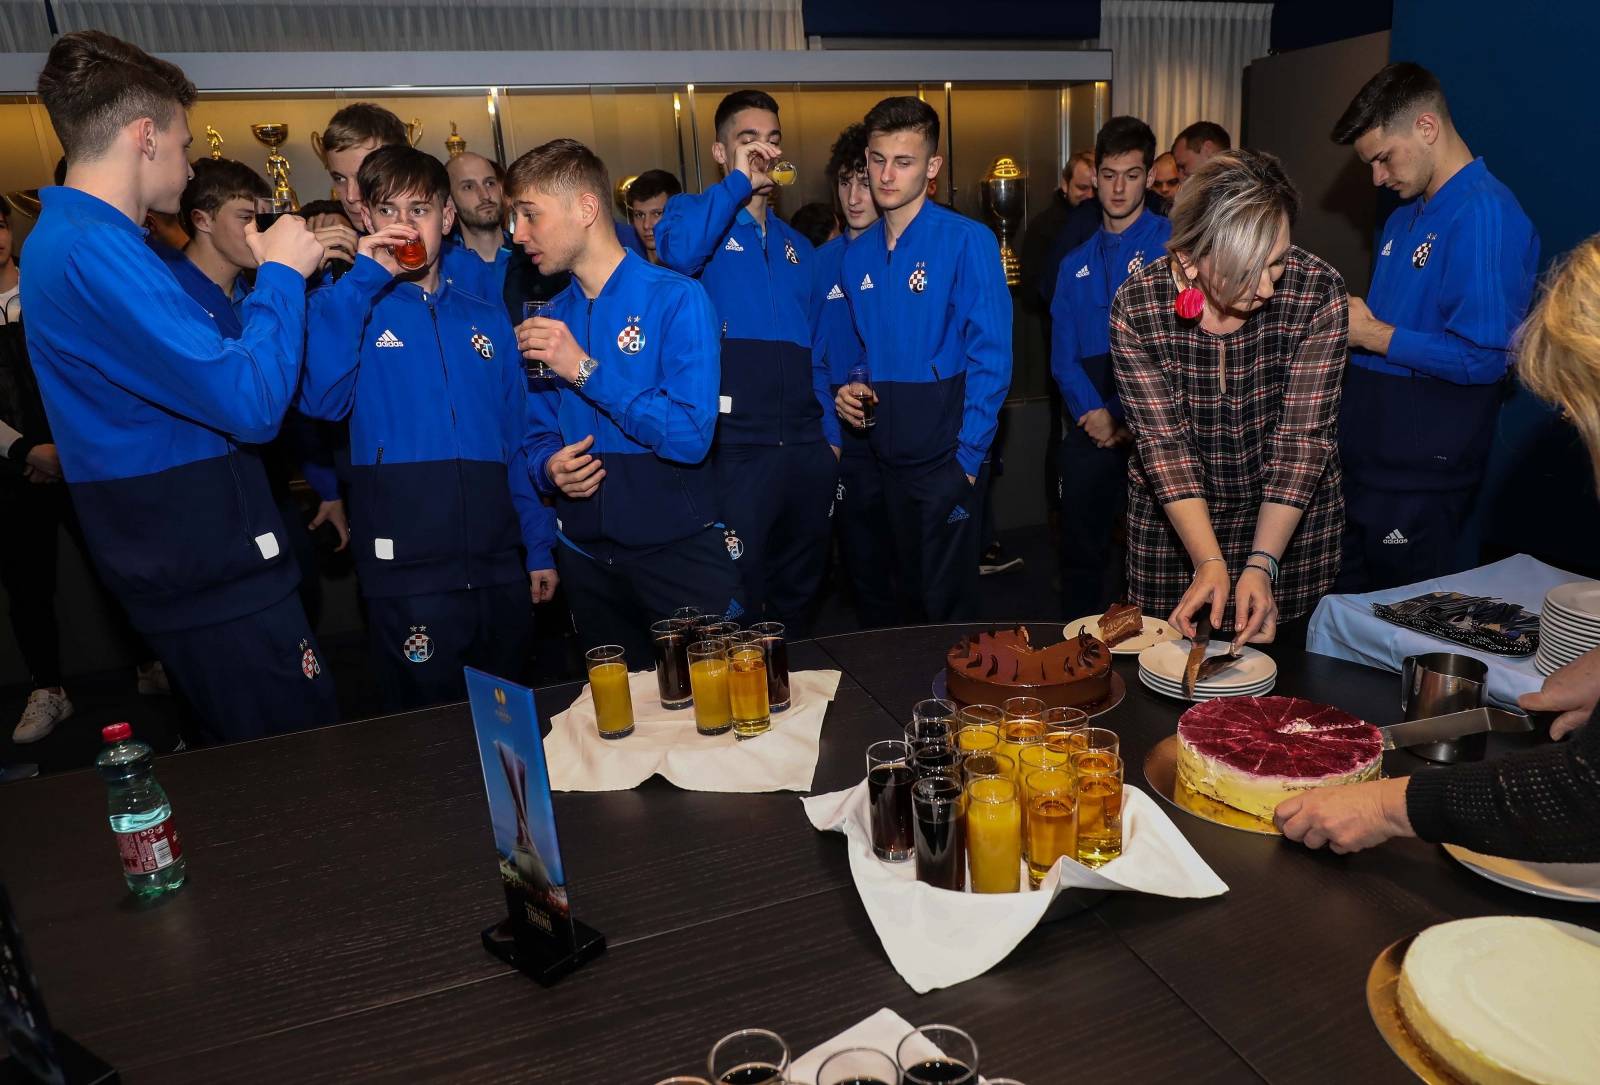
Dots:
{"x": 1080, "y": 311}
{"x": 835, "y": 347}
{"x": 1454, "y": 275}
{"x": 651, "y": 407}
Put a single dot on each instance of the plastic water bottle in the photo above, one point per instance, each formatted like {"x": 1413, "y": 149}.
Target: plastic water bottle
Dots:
{"x": 141, "y": 816}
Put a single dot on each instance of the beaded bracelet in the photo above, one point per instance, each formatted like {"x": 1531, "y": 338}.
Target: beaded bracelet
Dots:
{"x": 1272, "y": 563}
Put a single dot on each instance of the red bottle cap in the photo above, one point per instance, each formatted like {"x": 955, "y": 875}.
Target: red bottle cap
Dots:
{"x": 116, "y": 732}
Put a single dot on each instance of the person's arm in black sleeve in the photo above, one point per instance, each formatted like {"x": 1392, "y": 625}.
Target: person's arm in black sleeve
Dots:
{"x": 1541, "y": 804}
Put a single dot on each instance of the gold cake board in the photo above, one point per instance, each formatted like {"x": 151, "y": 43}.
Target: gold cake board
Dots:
{"x": 1161, "y": 772}
{"x": 1383, "y": 1002}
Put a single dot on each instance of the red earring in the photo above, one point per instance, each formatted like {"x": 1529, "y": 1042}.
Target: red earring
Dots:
{"x": 1190, "y": 304}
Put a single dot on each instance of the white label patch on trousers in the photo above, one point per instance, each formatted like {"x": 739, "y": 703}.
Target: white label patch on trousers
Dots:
{"x": 724, "y": 404}
{"x": 268, "y": 545}
{"x": 384, "y": 549}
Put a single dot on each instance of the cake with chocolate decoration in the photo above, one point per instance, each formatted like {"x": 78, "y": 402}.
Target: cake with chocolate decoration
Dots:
{"x": 990, "y": 667}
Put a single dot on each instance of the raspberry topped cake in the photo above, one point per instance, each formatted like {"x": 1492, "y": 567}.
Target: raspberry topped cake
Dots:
{"x": 990, "y": 667}
{"x": 1251, "y": 753}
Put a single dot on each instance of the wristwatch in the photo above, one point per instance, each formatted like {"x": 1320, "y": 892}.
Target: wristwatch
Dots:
{"x": 586, "y": 370}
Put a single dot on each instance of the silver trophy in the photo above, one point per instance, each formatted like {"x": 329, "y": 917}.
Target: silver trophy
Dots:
{"x": 1003, "y": 198}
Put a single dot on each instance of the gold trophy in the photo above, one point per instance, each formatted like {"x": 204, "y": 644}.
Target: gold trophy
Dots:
{"x": 214, "y": 138}
{"x": 414, "y": 130}
{"x": 621, "y": 194}
{"x": 272, "y": 135}
{"x": 454, "y": 145}
{"x": 1001, "y": 195}
{"x": 23, "y": 202}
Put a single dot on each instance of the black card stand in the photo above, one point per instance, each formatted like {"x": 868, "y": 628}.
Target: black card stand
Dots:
{"x": 77, "y": 1064}
{"x": 539, "y": 956}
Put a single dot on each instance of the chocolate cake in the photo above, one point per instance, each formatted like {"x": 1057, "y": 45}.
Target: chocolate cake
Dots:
{"x": 1123, "y": 621}
{"x": 990, "y": 667}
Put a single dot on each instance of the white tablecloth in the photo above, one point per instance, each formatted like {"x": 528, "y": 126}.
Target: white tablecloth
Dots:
{"x": 1344, "y": 626}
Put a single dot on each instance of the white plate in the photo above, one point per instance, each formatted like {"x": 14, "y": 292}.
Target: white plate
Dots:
{"x": 1168, "y": 659}
{"x": 1155, "y": 631}
{"x": 1177, "y": 694}
{"x": 1556, "y": 653}
{"x": 1577, "y": 882}
{"x": 1155, "y": 681}
{"x": 1581, "y": 598}
{"x": 1554, "y": 610}
{"x": 1558, "y": 631}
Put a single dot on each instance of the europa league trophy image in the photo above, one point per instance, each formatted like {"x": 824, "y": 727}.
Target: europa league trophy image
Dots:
{"x": 454, "y": 145}
{"x": 272, "y": 136}
{"x": 1004, "y": 201}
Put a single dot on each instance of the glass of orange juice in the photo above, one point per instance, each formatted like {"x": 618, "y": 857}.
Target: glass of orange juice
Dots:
{"x": 708, "y": 680}
{"x": 608, "y": 682}
{"x": 994, "y": 835}
{"x": 1050, "y": 801}
{"x": 1099, "y": 807}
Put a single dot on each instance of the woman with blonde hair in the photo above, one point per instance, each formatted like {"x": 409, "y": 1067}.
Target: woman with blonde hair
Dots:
{"x": 1541, "y": 804}
{"x": 1229, "y": 357}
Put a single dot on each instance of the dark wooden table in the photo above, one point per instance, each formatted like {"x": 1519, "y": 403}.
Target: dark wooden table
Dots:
{"x": 338, "y": 879}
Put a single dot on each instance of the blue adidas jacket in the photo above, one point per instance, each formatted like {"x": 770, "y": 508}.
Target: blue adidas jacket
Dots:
{"x": 651, "y": 406}
{"x": 935, "y": 318}
{"x": 1454, "y": 275}
{"x": 300, "y": 442}
{"x": 835, "y": 346}
{"x": 760, "y": 285}
{"x": 1080, "y": 313}
{"x": 438, "y": 406}
{"x": 149, "y": 404}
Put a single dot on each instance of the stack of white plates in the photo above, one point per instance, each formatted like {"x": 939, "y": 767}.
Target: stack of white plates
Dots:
{"x": 1161, "y": 668}
{"x": 1569, "y": 625}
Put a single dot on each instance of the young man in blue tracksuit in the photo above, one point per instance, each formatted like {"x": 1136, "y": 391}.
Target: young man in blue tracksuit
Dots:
{"x": 775, "y": 471}
{"x": 449, "y": 537}
{"x": 1094, "y": 450}
{"x": 622, "y": 430}
{"x": 1429, "y": 345}
{"x": 151, "y": 406}
{"x": 860, "y": 515}
{"x": 930, "y": 304}
{"x": 216, "y": 207}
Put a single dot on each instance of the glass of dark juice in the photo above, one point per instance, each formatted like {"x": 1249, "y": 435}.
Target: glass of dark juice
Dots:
{"x": 777, "y": 648}
{"x": 751, "y": 1056}
{"x": 938, "y": 1055}
{"x": 670, "y": 640}
{"x": 937, "y": 817}
{"x": 269, "y": 209}
{"x": 858, "y": 1066}
{"x": 889, "y": 780}
{"x": 869, "y": 407}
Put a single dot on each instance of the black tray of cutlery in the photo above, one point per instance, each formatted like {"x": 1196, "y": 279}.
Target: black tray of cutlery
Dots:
{"x": 1474, "y": 621}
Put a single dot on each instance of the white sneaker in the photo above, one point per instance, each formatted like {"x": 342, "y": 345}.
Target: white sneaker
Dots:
{"x": 153, "y": 679}
{"x": 44, "y": 710}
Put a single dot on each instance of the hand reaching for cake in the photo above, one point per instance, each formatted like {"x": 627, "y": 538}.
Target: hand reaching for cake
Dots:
{"x": 1347, "y": 818}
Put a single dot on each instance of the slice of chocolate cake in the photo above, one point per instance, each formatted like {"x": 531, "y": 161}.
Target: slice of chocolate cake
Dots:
{"x": 1121, "y": 622}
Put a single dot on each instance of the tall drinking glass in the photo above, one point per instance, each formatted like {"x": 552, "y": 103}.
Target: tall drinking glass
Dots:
{"x": 987, "y": 764}
{"x": 1015, "y": 734}
{"x": 869, "y": 409}
{"x": 1023, "y": 708}
{"x": 937, "y": 813}
{"x": 1050, "y": 798}
{"x": 269, "y": 209}
{"x": 773, "y": 639}
{"x": 938, "y": 1055}
{"x": 858, "y": 1066}
{"x": 708, "y": 679}
{"x": 934, "y": 759}
{"x": 1090, "y": 739}
{"x": 608, "y": 683}
{"x": 670, "y": 639}
{"x": 889, "y": 780}
{"x": 1099, "y": 807}
{"x": 994, "y": 835}
{"x": 751, "y": 1056}
{"x": 747, "y": 690}
{"x": 975, "y": 738}
{"x": 536, "y": 369}
{"x": 932, "y": 720}
{"x": 981, "y": 715}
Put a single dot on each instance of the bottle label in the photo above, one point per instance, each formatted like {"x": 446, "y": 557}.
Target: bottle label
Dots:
{"x": 147, "y": 850}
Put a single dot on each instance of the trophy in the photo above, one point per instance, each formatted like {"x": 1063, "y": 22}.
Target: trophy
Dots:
{"x": 454, "y": 145}
{"x": 621, "y": 194}
{"x": 1004, "y": 202}
{"x": 413, "y": 130}
{"x": 24, "y": 201}
{"x": 271, "y": 135}
{"x": 214, "y": 138}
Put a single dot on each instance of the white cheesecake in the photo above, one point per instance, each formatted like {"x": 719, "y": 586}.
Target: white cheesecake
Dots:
{"x": 1251, "y": 753}
{"x": 1506, "y": 1000}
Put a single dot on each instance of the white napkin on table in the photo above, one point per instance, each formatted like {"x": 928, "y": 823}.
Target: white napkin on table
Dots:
{"x": 938, "y": 938}
{"x": 1343, "y": 626}
{"x": 883, "y": 1031}
{"x": 783, "y": 759}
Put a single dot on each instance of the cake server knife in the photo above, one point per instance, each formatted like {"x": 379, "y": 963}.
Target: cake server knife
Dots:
{"x": 1454, "y": 725}
{"x": 1197, "y": 651}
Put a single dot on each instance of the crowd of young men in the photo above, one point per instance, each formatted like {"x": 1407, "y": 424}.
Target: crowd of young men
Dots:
{"x": 684, "y": 411}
